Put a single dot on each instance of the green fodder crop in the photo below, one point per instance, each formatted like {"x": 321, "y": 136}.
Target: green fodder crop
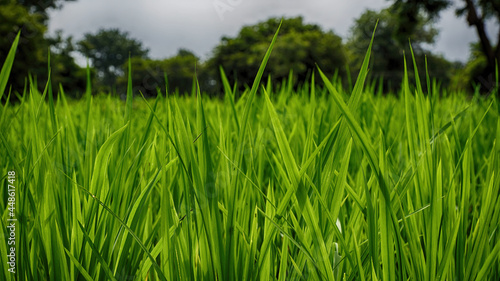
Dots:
{"x": 309, "y": 184}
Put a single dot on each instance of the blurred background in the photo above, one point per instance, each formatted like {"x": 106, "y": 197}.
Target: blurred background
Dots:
{"x": 177, "y": 40}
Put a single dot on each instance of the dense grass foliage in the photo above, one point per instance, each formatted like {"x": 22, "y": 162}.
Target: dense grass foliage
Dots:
{"x": 280, "y": 184}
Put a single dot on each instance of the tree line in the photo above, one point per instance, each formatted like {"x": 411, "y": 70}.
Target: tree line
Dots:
{"x": 300, "y": 47}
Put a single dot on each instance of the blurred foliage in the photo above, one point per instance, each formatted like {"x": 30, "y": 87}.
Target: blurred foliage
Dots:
{"x": 476, "y": 13}
{"x": 65, "y": 71}
{"x": 411, "y": 13}
{"x": 299, "y": 47}
{"x": 108, "y": 50}
{"x": 41, "y": 7}
{"x": 389, "y": 49}
{"x": 486, "y": 53}
{"x": 465, "y": 78}
{"x": 32, "y": 53}
{"x": 32, "y": 50}
{"x": 149, "y": 75}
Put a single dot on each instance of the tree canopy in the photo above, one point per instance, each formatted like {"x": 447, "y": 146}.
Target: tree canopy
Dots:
{"x": 149, "y": 75}
{"x": 66, "y": 71}
{"x": 42, "y": 7}
{"x": 387, "y": 62}
{"x": 476, "y": 13}
{"x": 108, "y": 50}
{"x": 30, "y": 18}
{"x": 300, "y": 47}
{"x": 32, "y": 49}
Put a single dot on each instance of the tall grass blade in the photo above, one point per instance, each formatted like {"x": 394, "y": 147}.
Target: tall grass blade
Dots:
{"x": 7, "y": 65}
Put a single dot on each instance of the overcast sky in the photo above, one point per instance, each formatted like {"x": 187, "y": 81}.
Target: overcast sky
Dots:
{"x": 164, "y": 26}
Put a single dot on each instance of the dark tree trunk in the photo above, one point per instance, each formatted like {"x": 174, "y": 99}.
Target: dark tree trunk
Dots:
{"x": 487, "y": 77}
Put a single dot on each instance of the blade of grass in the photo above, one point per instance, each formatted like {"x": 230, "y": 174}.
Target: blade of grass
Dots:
{"x": 7, "y": 65}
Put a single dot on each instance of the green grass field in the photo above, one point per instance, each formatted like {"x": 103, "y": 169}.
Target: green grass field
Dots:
{"x": 279, "y": 184}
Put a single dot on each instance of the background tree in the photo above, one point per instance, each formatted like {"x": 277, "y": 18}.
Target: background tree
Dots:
{"x": 30, "y": 17}
{"x": 149, "y": 75}
{"x": 475, "y": 65}
{"x": 64, "y": 70}
{"x": 42, "y": 7}
{"x": 389, "y": 45}
{"x": 108, "y": 50}
{"x": 299, "y": 47}
{"x": 476, "y": 13}
{"x": 32, "y": 49}
{"x": 409, "y": 15}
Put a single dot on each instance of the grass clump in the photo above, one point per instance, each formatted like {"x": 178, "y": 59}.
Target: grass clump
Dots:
{"x": 281, "y": 184}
